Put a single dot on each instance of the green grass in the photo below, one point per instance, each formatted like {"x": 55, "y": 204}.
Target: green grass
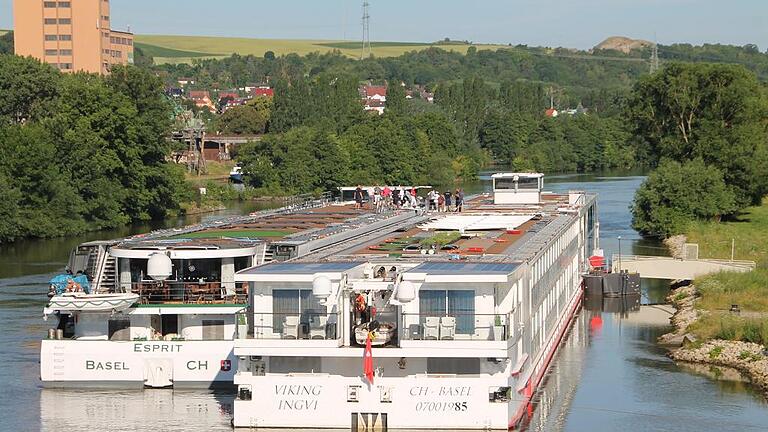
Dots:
{"x": 441, "y": 239}
{"x": 158, "y": 51}
{"x": 231, "y": 233}
{"x": 749, "y": 230}
{"x": 729, "y": 326}
{"x": 721, "y": 290}
{"x": 216, "y": 47}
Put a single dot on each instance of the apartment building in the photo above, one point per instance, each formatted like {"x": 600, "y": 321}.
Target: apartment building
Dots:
{"x": 72, "y": 35}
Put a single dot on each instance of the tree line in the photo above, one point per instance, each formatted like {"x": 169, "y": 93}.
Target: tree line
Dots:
{"x": 82, "y": 152}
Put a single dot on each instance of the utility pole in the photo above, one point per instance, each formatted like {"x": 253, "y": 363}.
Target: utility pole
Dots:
{"x": 365, "y": 52}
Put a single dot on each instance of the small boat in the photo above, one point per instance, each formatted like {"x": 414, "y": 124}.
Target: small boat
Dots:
{"x": 80, "y": 301}
{"x": 236, "y": 174}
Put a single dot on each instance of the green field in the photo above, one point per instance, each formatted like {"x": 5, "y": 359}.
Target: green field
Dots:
{"x": 183, "y": 49}
{"x": 2, "y": 32}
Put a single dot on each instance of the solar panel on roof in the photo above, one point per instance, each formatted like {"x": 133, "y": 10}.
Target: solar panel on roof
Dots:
{"x": 302, "y": 268}
{"x": 464, "y": 268}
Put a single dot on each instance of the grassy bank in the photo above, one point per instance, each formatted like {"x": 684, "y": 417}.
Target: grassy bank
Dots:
{"x": 718, "y": 292}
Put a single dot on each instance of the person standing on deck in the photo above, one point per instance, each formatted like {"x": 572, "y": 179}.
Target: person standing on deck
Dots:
{"x": 359, "y": 197}
{"x": 377, "y": 198}
{"x": 386, "y": 195}
{"x": 440, "y": 202}
{"x": 447, "y": 201}
{"x": 459, "y": 195}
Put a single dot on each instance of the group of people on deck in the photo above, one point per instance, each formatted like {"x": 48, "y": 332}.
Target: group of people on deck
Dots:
{"x": 400, "y": 197}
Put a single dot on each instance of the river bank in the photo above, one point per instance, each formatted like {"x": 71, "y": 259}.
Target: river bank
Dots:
{"x": 746, "y": 357}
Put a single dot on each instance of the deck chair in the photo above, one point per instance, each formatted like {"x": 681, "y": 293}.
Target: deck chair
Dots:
{"x": 290, "y": 327}
{"x": 431, "y": 328}
{"x": 317, "y": 327}
{"x": 447, "y": 328}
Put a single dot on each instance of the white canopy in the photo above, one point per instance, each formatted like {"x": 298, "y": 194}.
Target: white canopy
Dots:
{"x": 477, "y": 222}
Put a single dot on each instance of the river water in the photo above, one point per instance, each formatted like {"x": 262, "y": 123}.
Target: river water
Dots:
{"x": 609, "y": 375}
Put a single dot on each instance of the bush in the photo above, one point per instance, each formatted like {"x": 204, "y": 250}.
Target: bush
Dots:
{"x": 676, "y": 194}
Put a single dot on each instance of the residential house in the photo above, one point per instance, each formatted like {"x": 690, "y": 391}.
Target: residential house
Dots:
{"x": 202, "y": 99}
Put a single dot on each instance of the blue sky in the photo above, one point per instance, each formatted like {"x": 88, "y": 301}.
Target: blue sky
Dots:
{"x": 568, "y": 23}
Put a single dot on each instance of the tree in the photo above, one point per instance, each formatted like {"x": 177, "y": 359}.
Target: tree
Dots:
{"x": 6, "y": 43}
{"x": 248, "y": 119}
{"x": 676, "y": 194}
{"x": 396, "y": 99}
{"x": 708, "y": 111}
{"x": 27, "y": 88}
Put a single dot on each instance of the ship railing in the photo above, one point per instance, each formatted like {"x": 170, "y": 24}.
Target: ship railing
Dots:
{"x": 294, "y": 325}
{"x": 189, "y": 292}
{"x": 459, "y": 326}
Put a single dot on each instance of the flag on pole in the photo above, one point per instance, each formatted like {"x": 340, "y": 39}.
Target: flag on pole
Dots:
{"x": 368, "y": 360}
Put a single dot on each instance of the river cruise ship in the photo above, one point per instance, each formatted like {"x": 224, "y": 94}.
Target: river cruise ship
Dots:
{"x": 164, "y": 309}
{"x": 446, "y": 322}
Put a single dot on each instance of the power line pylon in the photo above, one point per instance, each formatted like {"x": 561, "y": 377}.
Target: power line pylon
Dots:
{"x": 654, "y": 58}
{"x": 365, "y": 52}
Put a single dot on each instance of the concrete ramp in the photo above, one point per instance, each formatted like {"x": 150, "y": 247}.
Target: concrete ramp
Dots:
{"x": 653, "y": 267}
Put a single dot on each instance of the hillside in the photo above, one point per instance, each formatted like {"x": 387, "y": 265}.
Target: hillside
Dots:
{"x": 623, "y": 44}
{"x": 182, "y": 49}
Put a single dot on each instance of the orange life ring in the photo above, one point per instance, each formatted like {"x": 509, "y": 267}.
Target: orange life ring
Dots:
{"x": 360, "y": 303}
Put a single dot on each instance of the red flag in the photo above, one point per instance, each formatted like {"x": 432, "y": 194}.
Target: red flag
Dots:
{"x": 368, "y": 360}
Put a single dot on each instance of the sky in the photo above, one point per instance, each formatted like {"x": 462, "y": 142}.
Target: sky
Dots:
{"x": 566, "y": 23}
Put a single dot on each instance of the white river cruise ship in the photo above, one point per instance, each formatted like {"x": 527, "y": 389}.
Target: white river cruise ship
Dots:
{"x": 446, "y": 321}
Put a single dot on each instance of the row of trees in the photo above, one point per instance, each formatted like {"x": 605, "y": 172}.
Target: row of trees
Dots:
{"x": 81, "y": 152}
{"x": 705, "y": 127}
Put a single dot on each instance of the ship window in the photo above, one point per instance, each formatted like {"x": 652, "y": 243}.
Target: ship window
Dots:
{"x": 456, "y": 303}
{"x": 213, "y": 329}
{"x": 119, "y": 329}
{"x": 505, "y": 183}
{"x": 294, "y": 364}
{"x": 528, "y": 183}
{"x": 294, "y": 302}
{"x": 457, "y": 366}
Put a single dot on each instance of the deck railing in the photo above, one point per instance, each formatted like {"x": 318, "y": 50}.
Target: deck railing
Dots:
{"x": 296, "y": 325}
{"x": 188, "y": 293}
{"x": 454, "y": 327}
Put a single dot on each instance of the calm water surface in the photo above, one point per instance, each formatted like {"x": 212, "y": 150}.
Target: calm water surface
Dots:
{"x": 608, "y": 376}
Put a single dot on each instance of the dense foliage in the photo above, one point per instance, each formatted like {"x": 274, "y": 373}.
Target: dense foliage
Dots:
{"x": 81, "y": 152}
{"x": 6, "y": 43}
{"x": 709, "y": 118}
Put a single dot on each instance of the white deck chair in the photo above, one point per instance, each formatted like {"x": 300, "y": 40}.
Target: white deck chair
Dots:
{"x": 431, "y": 328}
{"x": 290, "y": 327}
{"x": 447, "y": 328}
{"x": 317, "y": 327}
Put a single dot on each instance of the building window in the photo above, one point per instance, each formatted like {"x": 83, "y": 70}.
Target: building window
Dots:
{"x": 51, "y": 37}
{"x": 49, "y": 4}
{"x": 51, "y": 52}
{"x": 107, "y": 52}
{"x": 66, "y": 52}
{"x": 454, "y": 303}
{"x": 105, "y": 17}
{"x": 65, "y": 4}
{"x": 65, "y": 37}
{"x": 65, "y": 21}
{"x": 50, "y": 21}
{"x": 64, "y": 66}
